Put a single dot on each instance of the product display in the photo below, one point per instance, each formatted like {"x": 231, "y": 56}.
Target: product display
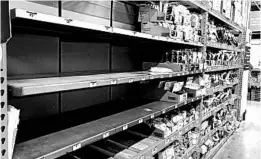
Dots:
{"x": 221, "y": 35}
{"x": 170, "y": 19}
{"x": 122, "y": 79}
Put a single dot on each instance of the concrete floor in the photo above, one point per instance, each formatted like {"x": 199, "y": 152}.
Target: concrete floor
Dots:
{"x": 245, "y": 142}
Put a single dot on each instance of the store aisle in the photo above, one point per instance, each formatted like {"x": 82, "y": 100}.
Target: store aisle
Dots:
{"x": 245, "y": 143}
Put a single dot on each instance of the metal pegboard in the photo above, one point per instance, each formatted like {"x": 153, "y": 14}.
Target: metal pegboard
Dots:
{"x": 5, "y": 35}
{"x": 3, "y": 110}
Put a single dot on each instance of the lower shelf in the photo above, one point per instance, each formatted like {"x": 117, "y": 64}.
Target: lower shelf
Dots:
{"x": 68, "y": 140}
{"x": 212, "y": 153}
{"x": 60, "y": 143}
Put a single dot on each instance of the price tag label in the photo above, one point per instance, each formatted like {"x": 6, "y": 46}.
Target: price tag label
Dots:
{"x": 167, "y": 141}
{"x": 154, "y": 150}
{"x": 77, "y": 146}
{"x": 114, "y": 82}
{"x": 93, "y": 84}
{"x": 170, "y": 75}
{"x": 152, "y": 116}
{"x": 147, "y": 109}
{"x": 125, "y": 127}
{"x": 161, "y": 76}
{"x": 131, "y": 80}
{"x": 163, "y": 111}
{"x": 107, "y": 134}
{"x": 151, "y": 77}
{"x": 143, "y": 78}
{"x": 140, "y": 121}
{"x": 172, "y": 138}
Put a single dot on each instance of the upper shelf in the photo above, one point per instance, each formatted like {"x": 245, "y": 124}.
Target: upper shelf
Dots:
{"x": 55, "y": 84}
{"x": 216, "y": 14}
{"x": 24, "y": 14}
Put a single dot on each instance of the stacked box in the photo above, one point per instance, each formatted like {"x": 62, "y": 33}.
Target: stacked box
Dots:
{"x": 255, "y": 94}
{"x": 226, "y": 8}
{"x": 148, "y": 14}
{"x": 154, "y": 29}
{"x": 216, "y": 5}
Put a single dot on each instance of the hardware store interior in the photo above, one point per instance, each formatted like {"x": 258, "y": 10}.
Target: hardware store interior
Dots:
{"x": 109, "y": 79}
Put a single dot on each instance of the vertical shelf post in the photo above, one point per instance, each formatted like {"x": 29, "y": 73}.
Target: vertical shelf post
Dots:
{"x": 5, "y": 35}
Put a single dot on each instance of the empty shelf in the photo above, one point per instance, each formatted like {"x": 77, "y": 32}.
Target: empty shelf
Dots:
{"x": 55, "y": 84}
{"x": 51, "y": 19}
{"x": 68, "y": 140}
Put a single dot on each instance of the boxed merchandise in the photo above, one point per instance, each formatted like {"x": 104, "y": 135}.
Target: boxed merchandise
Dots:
{"x": 138, "y": 147}
{"x": 169, "y": 92}
{"x": 192, "y": 93}
{"x": 149, "y": 14}
{"x": 154, "y": 29}
{"x": 125, "y": 154}
{"x": 168, "y": 153}
{"x": 226, "y": 8}
{"x": 175, "y": 67}
{"x": 216, "y": 5}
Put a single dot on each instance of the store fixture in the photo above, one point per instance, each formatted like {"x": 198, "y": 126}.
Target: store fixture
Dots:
{"x": 215, "y": 62}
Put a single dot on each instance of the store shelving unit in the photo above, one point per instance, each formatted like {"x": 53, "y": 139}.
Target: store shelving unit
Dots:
{"x": 62, "y": 142}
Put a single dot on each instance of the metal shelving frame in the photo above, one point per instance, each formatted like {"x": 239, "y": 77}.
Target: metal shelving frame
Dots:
{"x": 206, "y": 11}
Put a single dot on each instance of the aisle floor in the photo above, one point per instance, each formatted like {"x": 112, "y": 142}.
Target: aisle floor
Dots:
{"x": 245, "y": 142}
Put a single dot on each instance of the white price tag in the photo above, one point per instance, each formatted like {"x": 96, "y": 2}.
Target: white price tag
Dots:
{"x": 161, "y": 76}
{"x": 107, "y": 134}
{"x": 93, "y": 84}
{"x": 172, "y": 138}
{"x": 167, "y": 141}
{"x": 143, "y": 78}
{"x": 170, "y": 75}
{"x": 140, "y": 121}
{"x": 131, "y": 80}
{"x": 151, "y": 77}
{"x": 125, "y": 127}
{"x": 147, "y": 109}
{"x": 163, "y": 111}
{"x": 114, "y": 82}
{"x": 152, "y": 116}
{"x": 77, "y": 146}
{"x": 155, "y": 150}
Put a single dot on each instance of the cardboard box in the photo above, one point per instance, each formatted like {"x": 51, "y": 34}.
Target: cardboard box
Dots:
{"x": 163, "y": 95}
{"x": 175, "y": 67}
{"x": 226, "y": 8}
{"x": 216, "y": 5}
{"x": 139, "y": 147}
{"x": 161, "y": 134}
{"x": 194, "y": 93}
{"x": 150, "y": 141}
{"x": 148, "y": 14}
{"x": 125, "y": 154}
{"x": 154, "y": 29}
